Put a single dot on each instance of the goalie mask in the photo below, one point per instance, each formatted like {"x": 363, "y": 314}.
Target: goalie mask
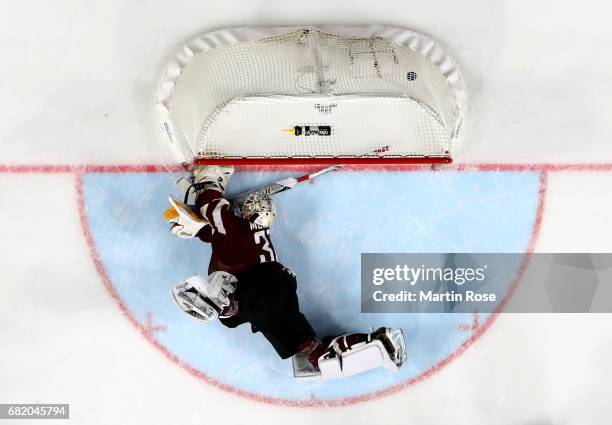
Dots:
{"x": 259, "y": 209}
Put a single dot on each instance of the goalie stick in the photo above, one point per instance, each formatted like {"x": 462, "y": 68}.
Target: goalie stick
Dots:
{"x": 273, "y": 188}
{"x": 279, "y": 186}
{"x": 288, "y": 183}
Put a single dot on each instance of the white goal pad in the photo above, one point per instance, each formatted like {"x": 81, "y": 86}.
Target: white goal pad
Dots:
{"x": 311, "y": 94}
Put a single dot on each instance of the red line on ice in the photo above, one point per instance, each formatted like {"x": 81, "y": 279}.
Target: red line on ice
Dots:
{"x": 161, "y": 168}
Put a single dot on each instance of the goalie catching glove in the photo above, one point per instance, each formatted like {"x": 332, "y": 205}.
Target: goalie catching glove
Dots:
{"x": 186, "y": 223}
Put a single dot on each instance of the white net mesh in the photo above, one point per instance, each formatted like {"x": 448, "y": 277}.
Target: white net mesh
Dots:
{"x": 306, "y": 93}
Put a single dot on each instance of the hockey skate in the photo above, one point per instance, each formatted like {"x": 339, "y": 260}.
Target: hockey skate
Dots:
{"x": 395, "y": 344}
{"x": 305, "y": 361}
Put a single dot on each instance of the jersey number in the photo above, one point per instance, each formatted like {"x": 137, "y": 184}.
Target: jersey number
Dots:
{"x": 260, "y": 237}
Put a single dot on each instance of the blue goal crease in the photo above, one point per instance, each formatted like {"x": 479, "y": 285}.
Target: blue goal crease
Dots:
{"x": 320, "y": 231}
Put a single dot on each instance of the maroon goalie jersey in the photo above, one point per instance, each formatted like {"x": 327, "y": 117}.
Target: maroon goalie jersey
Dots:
{"x": 237, "y": 244}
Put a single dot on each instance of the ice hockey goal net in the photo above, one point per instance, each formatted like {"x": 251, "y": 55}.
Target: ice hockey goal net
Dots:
{"x": 311, "y": 94}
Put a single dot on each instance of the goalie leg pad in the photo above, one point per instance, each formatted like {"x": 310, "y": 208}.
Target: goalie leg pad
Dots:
{"x": 384, "y": 348}
{"x": 192, "y": 302}
{"x": 211, "y": 177}
{"x": 205, "y": 299}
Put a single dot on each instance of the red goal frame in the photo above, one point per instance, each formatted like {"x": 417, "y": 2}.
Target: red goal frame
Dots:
{"x": 325, "y": 161}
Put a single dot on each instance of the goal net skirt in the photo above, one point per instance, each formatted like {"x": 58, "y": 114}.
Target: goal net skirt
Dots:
{"x": 303, "y": 94}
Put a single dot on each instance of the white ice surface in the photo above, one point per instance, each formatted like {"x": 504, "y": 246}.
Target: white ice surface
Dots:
{"x": 77, "y": 86}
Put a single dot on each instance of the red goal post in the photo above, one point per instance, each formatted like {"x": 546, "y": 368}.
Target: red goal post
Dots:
{"x": 299, "y": 95}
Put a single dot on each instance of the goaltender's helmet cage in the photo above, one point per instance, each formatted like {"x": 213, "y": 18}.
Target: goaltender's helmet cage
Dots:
{"x": 311, "y": 94}
{"x": 259, "y": 209}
